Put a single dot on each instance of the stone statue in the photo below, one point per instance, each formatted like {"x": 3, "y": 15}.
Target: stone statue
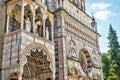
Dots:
{"x": 14, "y": 25}
{"x": 27, "y": 24}
{"x": 47, "y": 33}
{"x": 37, "y": 24}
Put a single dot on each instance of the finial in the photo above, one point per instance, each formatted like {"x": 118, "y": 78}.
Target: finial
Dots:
{"x": 93, "y": 19}
{"x": 92, "y": 14}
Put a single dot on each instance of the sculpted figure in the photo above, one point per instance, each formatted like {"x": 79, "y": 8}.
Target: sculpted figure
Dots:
{"x": 47, "y": 33}
{"x": 27, "y": 25}
{"x": 37, "y": 23}
{"x": 14, "y": 24}
{"x": 37, "y": 28}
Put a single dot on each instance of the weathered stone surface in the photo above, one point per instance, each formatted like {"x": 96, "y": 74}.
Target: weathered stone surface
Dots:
{"x": 61, "y": 44}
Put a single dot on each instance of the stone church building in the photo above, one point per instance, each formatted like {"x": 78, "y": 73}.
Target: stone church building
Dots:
{"x": 48, "y": 40}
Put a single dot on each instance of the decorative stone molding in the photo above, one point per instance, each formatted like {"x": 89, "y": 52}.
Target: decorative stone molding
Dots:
{"x": 26, "y": 52}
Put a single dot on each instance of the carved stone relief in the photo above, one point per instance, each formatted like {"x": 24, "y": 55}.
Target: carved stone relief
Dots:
{"x": 27, "y": 24}
{"x": 38, "y": 65}
{"x": 39, "y": 47}
{"x": 86, "y": 63}
{"x": 38, "y": 29}
{"x": 48, "y": 29}
{"x": 28, "y": 18}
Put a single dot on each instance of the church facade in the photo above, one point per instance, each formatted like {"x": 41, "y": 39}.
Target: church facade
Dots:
{"x": 48, "y": 40}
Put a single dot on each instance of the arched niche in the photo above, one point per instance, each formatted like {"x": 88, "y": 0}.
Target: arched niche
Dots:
{"x": 48, "y": 30}
{"x": 37, "y": 66}
{"x": 38, "y": 29}
{"x": 28, "y": 17}
{"x": 14, "y": 18}
{"x": 37, "y": 54}
{"x": 85, "y": 62}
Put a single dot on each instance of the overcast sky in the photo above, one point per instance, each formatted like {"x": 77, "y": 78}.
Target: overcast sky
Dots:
{"x": 106, "y": 12}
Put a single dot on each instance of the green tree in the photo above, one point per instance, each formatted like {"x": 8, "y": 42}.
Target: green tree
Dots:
{"x": 105, "y": 65}
{"x": 111, "y": 60}
{"x": 113, "y": 43}
{"x": 114, "y": 53}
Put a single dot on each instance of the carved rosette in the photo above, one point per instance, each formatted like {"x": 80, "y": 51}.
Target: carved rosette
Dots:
{"x": 86, "y": 62}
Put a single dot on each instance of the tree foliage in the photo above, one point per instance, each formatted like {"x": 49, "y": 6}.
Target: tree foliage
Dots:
{"x": 113, "y": 43}
{"x": 105, "y": 65}
{"x": 111, "y": 60}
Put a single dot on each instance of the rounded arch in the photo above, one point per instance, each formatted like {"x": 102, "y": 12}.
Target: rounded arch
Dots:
{"x": 26, "y": 52}
{"x": 86, "y": 62}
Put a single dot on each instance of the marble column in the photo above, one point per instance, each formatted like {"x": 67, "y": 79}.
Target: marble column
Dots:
{"x": 52, "y": 32}
{"x": 20, "y": 72}
{"x": 22, "y": 16}
{"x": 44, "y": 29}
{"x": 7, "y": 27}
{"x": 33, "y": 21}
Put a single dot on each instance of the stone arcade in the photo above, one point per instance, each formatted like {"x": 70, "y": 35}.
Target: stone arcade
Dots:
{"x": 48, "y": 40}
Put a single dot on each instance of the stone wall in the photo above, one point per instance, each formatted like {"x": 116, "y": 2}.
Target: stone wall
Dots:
{"x": 71, "y": 36}
{"x": 17, "y": 46}
{"x": 2, "y": 29}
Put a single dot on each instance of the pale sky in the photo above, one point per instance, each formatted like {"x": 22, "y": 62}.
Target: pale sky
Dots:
{"x": 106, "y": 12}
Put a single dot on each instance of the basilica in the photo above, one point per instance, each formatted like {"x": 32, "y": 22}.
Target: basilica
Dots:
{"x": 48, "y": 40}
